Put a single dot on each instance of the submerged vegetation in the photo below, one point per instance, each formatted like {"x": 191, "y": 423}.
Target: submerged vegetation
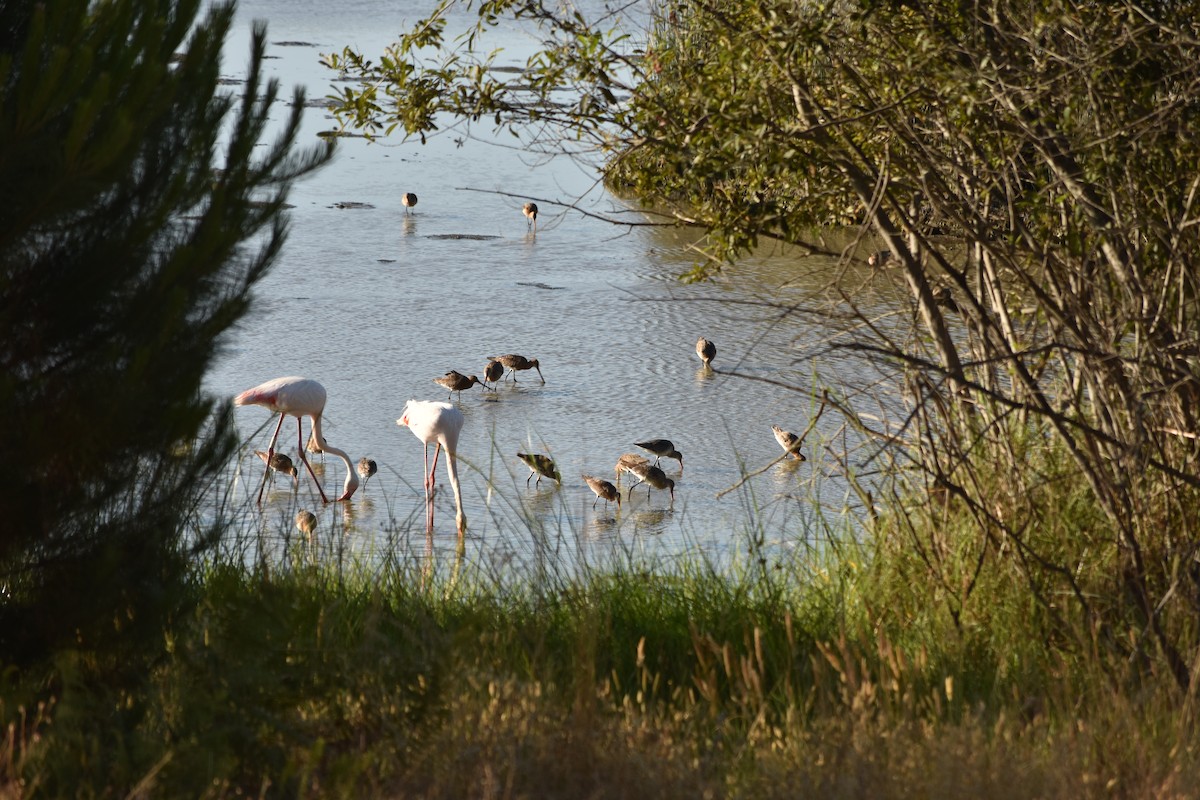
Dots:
{"x": 1019, "y": 615}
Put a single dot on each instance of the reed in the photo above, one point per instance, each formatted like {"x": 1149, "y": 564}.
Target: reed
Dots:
{"x": 325, "y": 674}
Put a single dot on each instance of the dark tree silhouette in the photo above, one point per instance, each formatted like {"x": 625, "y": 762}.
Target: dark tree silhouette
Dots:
{"x": 135, "y": 218}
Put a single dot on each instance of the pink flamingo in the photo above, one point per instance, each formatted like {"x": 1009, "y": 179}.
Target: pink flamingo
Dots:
{"x": 437, "y": 423}
{"x": 298, "y": 397}
{"x": 530, "y": 210}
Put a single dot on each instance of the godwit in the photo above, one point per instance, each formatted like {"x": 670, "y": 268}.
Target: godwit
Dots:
{"x": 493, "y": 371}
{"x": 366, "y": 468}
{"x": 539, "y": 465}
{"x": 306, "y": 522}
{"x": 627, "y": 462}
{"x": 280, "y": 462}
{"x": 298, "y": 397}
{"x": 652, "y": 476}
{"x": 408, "y": 200}
{"x": 706, "y": 350}
{"x": 662, "y": 448}
{"x": 530, "y": 210}
{"x": 604, "y": 489}
{"x": 455, "y": 381}
{"x": 315, "y": 448}
{"x": 515, "y": 362}
{"x": 880, "y": 259}
{"x": 789, "y": 441}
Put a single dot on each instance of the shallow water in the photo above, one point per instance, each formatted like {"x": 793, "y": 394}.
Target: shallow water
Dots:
{"x": 375, "y": 305}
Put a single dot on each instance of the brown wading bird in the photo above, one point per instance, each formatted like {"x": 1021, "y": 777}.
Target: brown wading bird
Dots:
{"x": 880, "y": 259}
{"x": 297, "y": 397}
{"x": 662, "y": 448}
{"x": 706, "y": 350}
{"x": 530, "y": 210}
{"x": 455, "y": 381}
{"x": 515, "y": 362}
{"x": 366, "y": 468}
{"x": 493, "y": 372}
{"x": 280, "y": 462}
{"x": 314, "y": 448}
{"x": 604, "y": 489}
{"x": 652, "y": 476}
{"x": 627, "y": 462}
{"x": 540, "y": 465}
{"x": 306, "y": 522}
{"x": 408, "y": 200}
{"x": 789, "y": 441}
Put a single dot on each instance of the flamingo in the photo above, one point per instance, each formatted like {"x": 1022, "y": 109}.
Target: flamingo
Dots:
{"x": 408, "y": 200}
{"x": 540, "y": 465}
{"x": 530, "y": 210}
{"x": 437, "y": 423}
{"x": 652, "y": 476}
{"x": 604, "y": 489}
{"x": 706, "y": 350}
{"x": 789, "y": 441}
{"x": 662, "y": 448}
{"x": 455, "y": 381}
{"x": 515, "y": 362}
{"x": 297, "y": 397}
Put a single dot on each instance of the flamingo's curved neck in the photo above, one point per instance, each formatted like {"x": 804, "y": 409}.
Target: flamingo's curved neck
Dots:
{"x": 452, "y": 471}
{"x": 351, "y": 484}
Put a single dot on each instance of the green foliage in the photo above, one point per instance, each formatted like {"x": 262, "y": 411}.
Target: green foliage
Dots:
{"x": 131, "y": 230}
{"x": 1029, "y": 173}
{"x": 309, "y": 682}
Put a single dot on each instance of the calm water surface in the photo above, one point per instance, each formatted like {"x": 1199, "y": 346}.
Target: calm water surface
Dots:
{"x": 375, "y": 305}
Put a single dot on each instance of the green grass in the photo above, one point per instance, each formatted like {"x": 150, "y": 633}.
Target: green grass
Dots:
{"x": 835, "y": 675}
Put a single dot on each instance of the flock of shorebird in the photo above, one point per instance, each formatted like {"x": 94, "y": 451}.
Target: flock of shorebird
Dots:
{"x": 439, "y": 424}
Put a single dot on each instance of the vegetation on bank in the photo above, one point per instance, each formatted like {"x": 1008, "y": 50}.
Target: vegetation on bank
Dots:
{"x": 394, "y": 681}
{"x": 1019, "y": 618}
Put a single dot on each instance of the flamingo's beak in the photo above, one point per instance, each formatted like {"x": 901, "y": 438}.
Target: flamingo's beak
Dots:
{"x": 403, "y": 421}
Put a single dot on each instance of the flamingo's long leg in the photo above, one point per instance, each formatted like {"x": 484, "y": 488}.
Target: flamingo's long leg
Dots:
{"x": 300, "y": 443}
{"x": 270, "y": 452}
{"x": 437, "y": 451}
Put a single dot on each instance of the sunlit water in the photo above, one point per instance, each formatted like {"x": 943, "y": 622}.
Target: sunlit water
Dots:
{"x": 375, "y": 305}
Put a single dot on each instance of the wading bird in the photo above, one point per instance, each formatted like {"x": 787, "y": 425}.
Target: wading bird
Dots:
{"x": 530, "y": 210}
{"x": 540, "y": 465}
{"x": 881, "y": 258}
{"x": 706, "y": 350}
{"x": 315, "y": 448}
{"x": 654, "y": 477}
{"x": 627, "y": 462}
{"x": 493, "y": 372}
{"x": 662, "y": 448}
{"x": 408, "y": 200}
{"x": 297, "y": 397}
{"x": 455, "y": 381}
{"x": 306, "y": 522}
{"x": 280, "y": 462}
{"x": 515, "y": 362}
{"x": 366, "y": 468}
{"x": 604, "y": 489}
{"x": 789, "y": 441}
{"x": 437, "y": 423}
